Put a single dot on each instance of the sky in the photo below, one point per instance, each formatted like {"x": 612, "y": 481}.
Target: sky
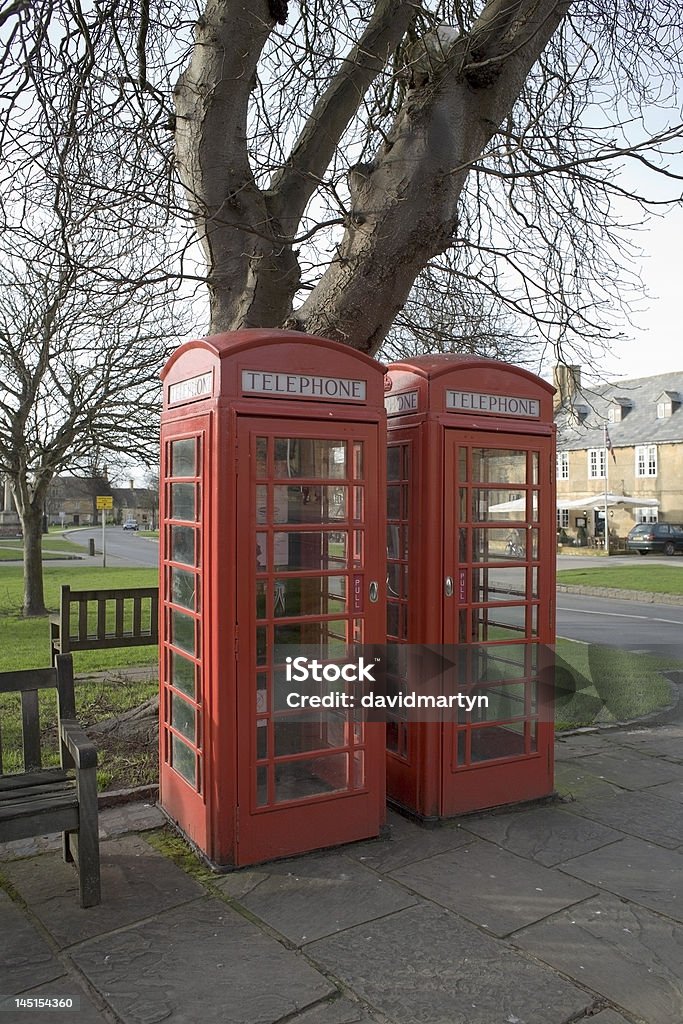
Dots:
{"x": 656, "y": 344}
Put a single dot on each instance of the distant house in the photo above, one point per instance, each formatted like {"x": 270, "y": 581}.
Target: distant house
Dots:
{"x": 72, "y": 501}
{"x": 643, "y": 459}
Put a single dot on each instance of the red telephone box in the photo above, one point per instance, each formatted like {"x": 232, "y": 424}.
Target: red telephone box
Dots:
{"x": 272, "y": 482}
{"x": 471, "y": 562}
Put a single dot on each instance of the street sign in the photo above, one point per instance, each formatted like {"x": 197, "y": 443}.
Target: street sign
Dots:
{"x": 104, "y": 501}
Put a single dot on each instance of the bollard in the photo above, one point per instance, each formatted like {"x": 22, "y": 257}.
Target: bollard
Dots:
{"x": 91, "y": 546}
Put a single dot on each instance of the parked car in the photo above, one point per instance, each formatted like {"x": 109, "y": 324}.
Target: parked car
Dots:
{"x": 666, "y": 538}
{"x": 131, "y": 524}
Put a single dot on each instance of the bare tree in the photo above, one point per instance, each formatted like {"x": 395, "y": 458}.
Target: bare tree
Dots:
{"x": 333, "y": 154}
{"x": 80, "y": 363}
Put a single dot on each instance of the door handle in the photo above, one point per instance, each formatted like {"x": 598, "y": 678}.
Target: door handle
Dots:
{"x": 374, "y": 591}
{"x": 448, "y": 586}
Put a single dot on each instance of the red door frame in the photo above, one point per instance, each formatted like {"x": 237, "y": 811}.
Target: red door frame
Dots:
{"x": 277, "y": 830}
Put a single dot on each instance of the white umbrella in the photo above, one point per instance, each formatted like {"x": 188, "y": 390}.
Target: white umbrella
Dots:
{"x": 609, "y": 499}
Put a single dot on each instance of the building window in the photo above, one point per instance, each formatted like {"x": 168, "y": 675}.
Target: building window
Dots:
{"x": 647, "y": 515}
{"x": 663, "y": 410}
{"x": 562, "y": 518}
{"x": 596, "y": 463}
{"x": 646, "y": 460}
{"x": 563, "y": 465}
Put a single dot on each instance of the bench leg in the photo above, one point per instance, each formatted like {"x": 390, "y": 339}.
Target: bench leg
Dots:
{"x": 87, "y": 843}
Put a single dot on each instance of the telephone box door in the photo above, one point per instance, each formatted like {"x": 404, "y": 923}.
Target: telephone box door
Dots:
{"x": 307, "y": 510}
{"x": 499, "y": 544}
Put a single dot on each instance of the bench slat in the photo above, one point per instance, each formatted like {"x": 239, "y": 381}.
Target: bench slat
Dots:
{"x": 18, "y": 780}
{"x": 101, "y": 619}
{"x": 30, "y": 727}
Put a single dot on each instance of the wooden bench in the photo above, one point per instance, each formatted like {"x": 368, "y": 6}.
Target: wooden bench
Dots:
{"x": 123, "y": 618}
{"x": 37, "y": 800}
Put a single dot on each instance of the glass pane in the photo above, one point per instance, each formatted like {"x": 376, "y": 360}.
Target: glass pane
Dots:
{"x": 394, "y": 463}
{"x": 498, "y": 584}
{"x": 182, "y": 717}
{"x": 534, "y": 467}
{"x": 296, "y": 504}
{"x": 394, "y": 502}
{"x": 183, "y": 588}
{"x": 183, "y": 502}
{"x": 314, "y": 730}
{"x": 489, "y": 624}
{"x": 183, "y": 760}
{"x": 182, "y": 631}
{"x": 295, "y": 780}
{"x": 261, "y": 457}
{"x": 497, "y": 466}
{"x": 496, "y": 505}
{"x": 358, "y": 504}
{"x": 504, "y": 702}
{"x": 497, "y": 741}
{"x": 183, "y": 457}
{"x": 358, "y": 460}
{"x": 319, "y": 595}
{"x": 183, "y": 674}
{"x": 261, "y": 693}
{"x": 261, "y": 645}
{"x": 183, "y": 545}
{"x": 499, "y": 544}
{"x": 313, "y": 458}
{"x": 358, "y": 769}
{"x": 310, "y": 550}
{"x": 261, "y": 786}
{"x": 261, "y": 739}
{"x": 329, "y": 637}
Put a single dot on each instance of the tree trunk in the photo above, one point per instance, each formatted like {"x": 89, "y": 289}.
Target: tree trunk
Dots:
{"x": 32, "y": 526}
{"x": 140, "y": 724}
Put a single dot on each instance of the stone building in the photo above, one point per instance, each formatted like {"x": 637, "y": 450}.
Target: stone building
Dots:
{"x": 625, "y": 438}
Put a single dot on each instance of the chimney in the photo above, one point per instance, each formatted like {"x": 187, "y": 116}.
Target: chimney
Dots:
{"x": 131, "y": 483}
{"x": 567, "y": 381}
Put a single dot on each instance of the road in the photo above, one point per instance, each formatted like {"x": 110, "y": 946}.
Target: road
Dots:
{"x": 624, "y": 624}
{"x": 124, "y": 547}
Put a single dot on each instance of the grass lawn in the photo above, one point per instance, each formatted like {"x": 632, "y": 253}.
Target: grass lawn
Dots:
{"x": 25, "y": 643}
{"x": 659, "y": 579}
{"x": 598, "y": 685}
{"x": 53, "y": 547}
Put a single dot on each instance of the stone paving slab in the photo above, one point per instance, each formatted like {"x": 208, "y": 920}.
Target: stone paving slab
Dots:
{"x": 664, "y": 741}
{"x": 567, "y": 748}
{"x": 670, "y": 791}
{"x": 405, "y": 843}
{"x": 425, "y": 965}
{"x": 547, "y": 835}
{"x": 636, "y": 870}
{"x": 136, "y": 883}
{"x": 493, "y": 888}
{"x": 86, "y": 1013}
{"x": 573, "y": 781}
{"x": 655, "y": 819}
{"x": 606, "y": 1017}
{"x": 200, "y": 962}
{"x": 627, "y": 953}
{"x": 340, "y": 1011}
{"x": 25, "y": 957}
{"x": 630, "y": 770}
{"x": 113, "y": 821}
{"x": 308, "y": 897}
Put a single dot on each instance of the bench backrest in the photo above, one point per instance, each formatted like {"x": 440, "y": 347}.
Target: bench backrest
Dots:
{"x": 28, "y": 683}
{"x": 124, "y": 617}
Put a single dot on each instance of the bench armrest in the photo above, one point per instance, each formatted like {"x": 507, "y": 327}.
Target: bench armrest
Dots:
{"x": 82, "y": 750}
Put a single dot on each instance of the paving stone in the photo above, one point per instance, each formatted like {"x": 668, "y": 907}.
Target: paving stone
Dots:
{"x": 238, "y": 883}
{"x": 86, "y": 1013}
{"x": 626, "y": 953}
{"x": 340, "y": 1011}
{"x": 26, "y": 959}
{"x": 202, "y": 961}
{"x": 547, "y": 835}
{"x": 631, "y": 769}
{"x": 406, "y": 843}
{"x": 670, "y": 791}
{"x": 606, "y": 1017}
{"x": 425, "y": 965}
{"x": 501, "y": 893}
{"x": 136, "y": 883}
{"x": 637, "y": 871}
{"x": 308, "y": 897}
{"x": 572, "y": 780}
{"x": 656, "y": 819}
{"x": 581, "y": 745}
{"x": 663, "y": 741}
